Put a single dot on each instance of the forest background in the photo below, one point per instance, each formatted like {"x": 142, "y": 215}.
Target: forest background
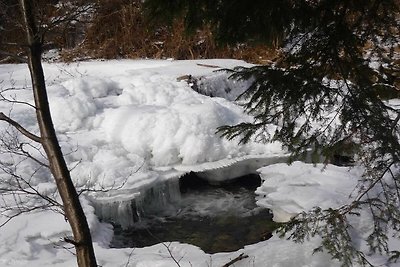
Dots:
{"x": 112, "y": 29}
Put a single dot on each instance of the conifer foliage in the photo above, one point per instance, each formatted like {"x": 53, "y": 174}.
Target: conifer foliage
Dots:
{"x": 329, "y": 90}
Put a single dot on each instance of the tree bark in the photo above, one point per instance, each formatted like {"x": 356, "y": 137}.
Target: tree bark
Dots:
{"x": 72, "y": 207}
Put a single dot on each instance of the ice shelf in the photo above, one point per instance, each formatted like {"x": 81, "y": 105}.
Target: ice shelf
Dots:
{"x": 127, "y": 207}
{"x": 126, "y": 211}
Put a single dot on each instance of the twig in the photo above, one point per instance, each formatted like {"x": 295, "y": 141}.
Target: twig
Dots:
{"x": 20, "y": 59}
{"x": 208, "y": 65}
{"x": 71, "y": 241}
{"x": 129, "y": 257}
{"x": 69, "y": 249}
{"x": 238, "y": 258}
{"x": 166, "y": 247}
{"x": 20, "y": 128}
{"x": 12, "y": 101}
{"x": 28, "y": 155}
{"x": 111, "y": 188}
{"x": 171, "y": 255}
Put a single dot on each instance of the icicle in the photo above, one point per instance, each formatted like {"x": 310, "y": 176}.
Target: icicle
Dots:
{"x": 160, "y": 198}
{"x": 121, "y": 212}
{"x": 157, "y": 199}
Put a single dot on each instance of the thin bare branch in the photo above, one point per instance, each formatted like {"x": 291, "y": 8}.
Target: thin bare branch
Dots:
{"x": 21, "y": 129}
{"x": 22, "y": 210}
{"x": 129, "y": 257}
{"x": 20, "y": 59}
{"x": 238, "y": 258}
{"x": 166, "y": 247}
{"x": 23, "y": 186}
{"x": 104, "y": 189}
{"x": 28, "y": 155}
{"x": 13, "y": 100}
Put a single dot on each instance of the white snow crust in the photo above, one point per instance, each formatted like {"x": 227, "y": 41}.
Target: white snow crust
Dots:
{"x": 280, "y": 189}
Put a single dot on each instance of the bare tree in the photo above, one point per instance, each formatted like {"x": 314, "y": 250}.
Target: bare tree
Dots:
{"x": 48, "y": 141}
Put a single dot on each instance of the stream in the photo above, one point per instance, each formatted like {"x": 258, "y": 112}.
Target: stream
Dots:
{"x": 215, "y": 218}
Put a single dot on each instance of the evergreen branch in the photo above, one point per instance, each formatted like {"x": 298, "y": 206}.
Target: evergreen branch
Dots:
{"x": 369, "y": 188}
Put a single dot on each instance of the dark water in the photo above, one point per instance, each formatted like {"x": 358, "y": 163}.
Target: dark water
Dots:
{"x": 215, "y": 218}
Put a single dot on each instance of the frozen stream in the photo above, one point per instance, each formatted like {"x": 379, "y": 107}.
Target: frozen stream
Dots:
{"x": 215, "y": 218}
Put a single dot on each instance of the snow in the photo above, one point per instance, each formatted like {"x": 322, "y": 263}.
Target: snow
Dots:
{"x": 280, "y": 189}
{"x": 128, "y": 125}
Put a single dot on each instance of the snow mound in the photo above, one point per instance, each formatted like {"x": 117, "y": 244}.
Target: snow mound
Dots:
{"x": 290, "y": 189}
{"x": 137, "y": 118}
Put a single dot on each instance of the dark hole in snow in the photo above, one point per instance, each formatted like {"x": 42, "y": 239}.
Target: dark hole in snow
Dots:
{"x": 342, "y": 160}
{"x": 216, "y": 218}
{"x": 191, "y": 181}
{"x": 217, "y": 84}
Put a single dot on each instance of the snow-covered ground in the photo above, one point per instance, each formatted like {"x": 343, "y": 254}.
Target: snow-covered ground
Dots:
{"x": 127, "y": 125}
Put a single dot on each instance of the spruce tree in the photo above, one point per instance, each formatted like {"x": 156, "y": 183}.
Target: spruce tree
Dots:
{"x": 328, "y": 90}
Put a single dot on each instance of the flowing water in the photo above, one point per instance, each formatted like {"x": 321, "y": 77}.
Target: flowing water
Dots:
{"x": 215, "y": 218}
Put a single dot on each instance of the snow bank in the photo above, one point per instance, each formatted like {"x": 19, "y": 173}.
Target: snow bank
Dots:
{"x": 289, "y": 190}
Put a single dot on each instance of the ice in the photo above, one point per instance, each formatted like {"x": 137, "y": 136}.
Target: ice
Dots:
{"x": 159, "y": 198}
{"x": 246, "y": 165}
{"x": 164, "y": 197}
{"x": 156, "y": 199}
{"x": 123, "y": 213}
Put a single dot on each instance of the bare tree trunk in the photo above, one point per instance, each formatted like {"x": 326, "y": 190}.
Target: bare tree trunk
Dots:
{"x": 72, "y": 207}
